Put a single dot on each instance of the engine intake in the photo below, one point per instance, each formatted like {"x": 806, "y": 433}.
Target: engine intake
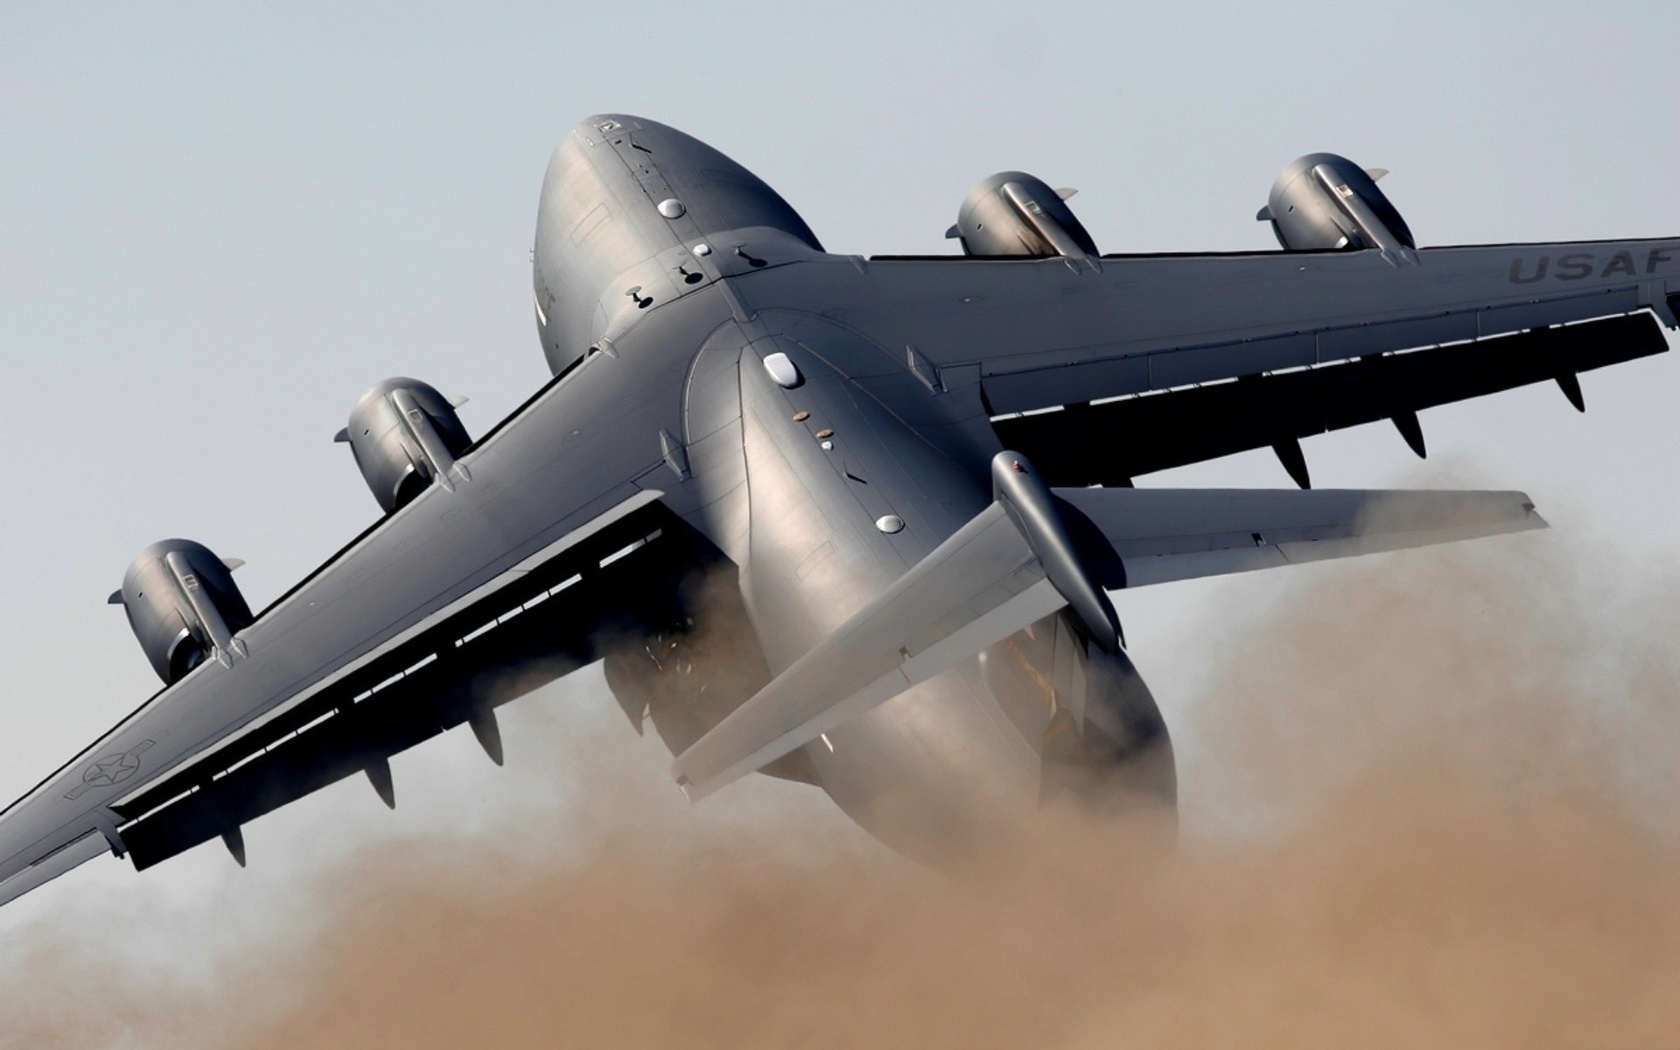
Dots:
{"x": 1323, "y": 202}
{"x": 1013, "y": 213}
{"x": 405, "y": 436}
{"x": 184, "y": 607}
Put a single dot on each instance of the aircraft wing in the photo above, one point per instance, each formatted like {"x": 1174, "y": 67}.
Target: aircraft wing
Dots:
{"x": 1104, "y": 369}
{"x": 527, "y": 626}
{"x": 462, "y": 600}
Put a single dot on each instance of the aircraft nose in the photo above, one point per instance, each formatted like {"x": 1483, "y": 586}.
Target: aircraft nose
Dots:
{"x": 715, "y": 191}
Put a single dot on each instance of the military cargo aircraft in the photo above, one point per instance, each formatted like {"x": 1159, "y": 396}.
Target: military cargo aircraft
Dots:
{"x": 842, "y": 520}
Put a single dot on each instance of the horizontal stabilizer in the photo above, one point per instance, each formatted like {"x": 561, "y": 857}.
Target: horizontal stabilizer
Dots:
{"x": 1180, "y": 534}
{"x": 1019, "y": 560}
{"x": 975, "y": 589}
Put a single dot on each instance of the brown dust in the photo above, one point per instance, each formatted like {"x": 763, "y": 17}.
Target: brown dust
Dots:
{"x": 1432, "y": 801}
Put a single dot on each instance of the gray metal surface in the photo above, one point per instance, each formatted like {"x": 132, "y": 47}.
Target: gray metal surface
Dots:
{"x": 665, "y": 277}
{"x": 183, "y": 606}
{"x": 1323, "y": 202}
{"x": 1162, "y": 535}
{"x": 1013, "y": 213}
{"x": 1011, "y": 565}
{"x": 405, "y": 436}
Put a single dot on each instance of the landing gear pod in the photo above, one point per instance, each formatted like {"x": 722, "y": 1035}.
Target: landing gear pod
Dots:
{"x": 1323, "y": 202}
{"x": 184, "y": 607}
{"x": 1013, "y": 213}
{"x": 1101, "y": 736}
{"x": 405, "y": 435}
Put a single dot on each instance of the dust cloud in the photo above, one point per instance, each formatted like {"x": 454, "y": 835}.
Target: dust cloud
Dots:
{"x": 1434, "y": 801}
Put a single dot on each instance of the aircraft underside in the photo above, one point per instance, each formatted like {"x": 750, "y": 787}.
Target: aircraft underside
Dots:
{"x": 1038, "y": 715}
{"x": 847, "y": 521}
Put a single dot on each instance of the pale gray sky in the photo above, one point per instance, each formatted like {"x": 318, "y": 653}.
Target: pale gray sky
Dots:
{"x": 219, "y": 223}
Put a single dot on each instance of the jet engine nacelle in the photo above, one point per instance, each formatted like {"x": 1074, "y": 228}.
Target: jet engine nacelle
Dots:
{"x": 1323, "y": 202}
{"x": 184, "y": 607}
{"x": 405, "y": 436}
{"x": 1013, "y": 213}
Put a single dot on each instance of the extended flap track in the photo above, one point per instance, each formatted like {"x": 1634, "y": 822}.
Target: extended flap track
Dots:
{"x": 1110, "y": 442}
{"x": 539, "y": 629}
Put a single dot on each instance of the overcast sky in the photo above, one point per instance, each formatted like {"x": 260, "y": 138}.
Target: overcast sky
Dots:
{"x": 220, "y": 223}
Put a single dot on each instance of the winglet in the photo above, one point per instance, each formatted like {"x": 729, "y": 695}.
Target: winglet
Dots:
{"x": 115, "y": 598}
{"x": 1264, "y": 214}
{"x": 342, "y": 436}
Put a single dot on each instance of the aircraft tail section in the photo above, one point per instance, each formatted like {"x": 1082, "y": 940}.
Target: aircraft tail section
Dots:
{"x": 1034, "y": 551}
{"x": 974, "y": 590}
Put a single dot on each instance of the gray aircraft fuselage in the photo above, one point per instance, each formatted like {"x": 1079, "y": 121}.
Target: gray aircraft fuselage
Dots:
{"x": 818, "y": 492}
{"x": 768, "y": 488}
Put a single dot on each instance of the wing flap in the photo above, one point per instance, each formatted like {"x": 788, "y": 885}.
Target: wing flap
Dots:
{"x": 1180, "y": 321}
{"x": 1036, "y": 334}
{"x": 1111, "y": 443}
{"x": 423, "y": 680}
{"x": 53, "y": 865}
{"x": 539, "y": 629}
